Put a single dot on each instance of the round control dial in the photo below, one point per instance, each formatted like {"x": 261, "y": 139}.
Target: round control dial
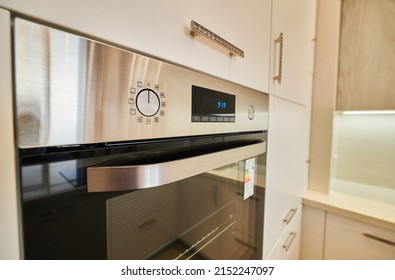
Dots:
{"x": 147, "y": 102}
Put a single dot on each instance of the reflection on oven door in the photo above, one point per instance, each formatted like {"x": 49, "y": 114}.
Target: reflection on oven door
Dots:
{"x": 202, "y": 217}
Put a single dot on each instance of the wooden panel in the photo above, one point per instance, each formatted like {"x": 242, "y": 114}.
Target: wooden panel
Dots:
{"x": 367, "y": 55}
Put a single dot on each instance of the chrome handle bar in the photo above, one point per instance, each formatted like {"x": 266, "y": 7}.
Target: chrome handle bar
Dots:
{"x": 133, "y": 177}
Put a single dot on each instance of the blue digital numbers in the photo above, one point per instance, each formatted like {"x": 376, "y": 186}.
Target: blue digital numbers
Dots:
{"x": 221, "y": 104}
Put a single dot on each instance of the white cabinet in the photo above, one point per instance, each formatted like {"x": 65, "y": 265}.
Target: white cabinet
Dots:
{"x": 9, "y": 243}
{"x": 291, "y": 72}
{"x": 292, "y": 56}
{"x": 287, "y": 153}
{"x": 162, "y": 29}
{"x": 287, "y": 247}
{"x": 351, "y": 239}
{"x": 330, "y": 236}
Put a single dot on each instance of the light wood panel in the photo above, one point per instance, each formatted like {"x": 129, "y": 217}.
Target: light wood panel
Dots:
{"x": 367, "y": 55}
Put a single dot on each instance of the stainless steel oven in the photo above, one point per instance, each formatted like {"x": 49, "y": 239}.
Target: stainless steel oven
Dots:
{"x": 125, "y": 156}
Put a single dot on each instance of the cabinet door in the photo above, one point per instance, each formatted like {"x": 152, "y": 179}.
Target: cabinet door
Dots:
{"x": 292, "y": 56}
{"x": 162, "y": 29}
{"x": 353, "y": 240}
{"x": 286, "y": 167}
{"x": 367, "y": 56}
{"x": 287, "y": 247}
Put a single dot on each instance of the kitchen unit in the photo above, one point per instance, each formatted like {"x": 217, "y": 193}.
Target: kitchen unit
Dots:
{"x": 115, "y": 155}
{"x": 348, "y": 211}
{"x": 162, "y": 29}
{"x": 266, "y": 58}
{"x": 292, "y": 56}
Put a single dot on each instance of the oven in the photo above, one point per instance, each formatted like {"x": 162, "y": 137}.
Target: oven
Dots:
{"x": 125, "y": 156}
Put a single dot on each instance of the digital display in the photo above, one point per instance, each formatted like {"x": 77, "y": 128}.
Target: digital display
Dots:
{"x": 212, "y": 106}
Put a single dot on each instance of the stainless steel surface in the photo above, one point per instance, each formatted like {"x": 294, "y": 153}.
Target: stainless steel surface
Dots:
{"x": 279, "y": 40}
{"x": 198, "y": 29}
{"x": 118, "y": 178}
{"x": 290, "y": 215}
{"x": 73, "y": 90}
{"x": 383, "y": 240}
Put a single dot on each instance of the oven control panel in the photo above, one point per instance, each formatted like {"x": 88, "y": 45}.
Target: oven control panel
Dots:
{"x": 122, "y": 95}
{"x": 147, "y": 102}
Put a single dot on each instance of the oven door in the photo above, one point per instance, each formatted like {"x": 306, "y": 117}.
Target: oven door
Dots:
{"x": 180, "y": 201}
{"x": 207, "y": 206}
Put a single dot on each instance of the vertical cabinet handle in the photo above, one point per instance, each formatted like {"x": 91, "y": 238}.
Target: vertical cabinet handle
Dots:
{"x": 289, "y": 241}
{"x": 290, "y": 215}
{"x": 279, "y": 40}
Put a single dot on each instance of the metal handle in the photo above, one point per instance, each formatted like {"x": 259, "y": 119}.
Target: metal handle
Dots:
{"x": 290, "y": 215}
{"x": 289, "y": 241}
{"x": 279, "y": 40}
{"x": 198, "y": 29}
{"x": 121, "y": 178}
{"x": 386, "y": 241}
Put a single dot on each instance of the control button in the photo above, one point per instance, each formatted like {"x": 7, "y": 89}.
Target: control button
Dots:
{"x": 139, "y": 84}
{"x": 220, "y": 119}
{"x": 139, "y": 119}
{"x": 205, "y": 118}
{"x": 226, "y": 119}
{"x": 156, "y": 119}
{"x": 163, "y": 104}
{"x": 131, "y": 100}
{"x": 232, "y": 119}
{"x": 162, "y": 113}
{"x": 195, "y": 118}
{"x": 162, "y": 95}
{"x": 251, "y": 112}
{"x": 213, "y": 119}
{"x": 132, "y": 90}
{"x": 148, "y": 120}
{"x": 156, "y": 87}
{"x": 133, "y": 111}
{"x": 147, "y": 102}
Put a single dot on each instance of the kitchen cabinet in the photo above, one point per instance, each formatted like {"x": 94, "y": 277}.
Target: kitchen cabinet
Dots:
{"x": 287, "y": 247}
{"x": 287, "y": 155}
{"x": 312, "y": 233}
{"x": 292, "y": 51}
{"x": 162, "y": 29}
{"x": 338, "y": 236}
{"x": 291, "y": 73}
{"x": 351, "y": 239}
{"x": 367, "y": 56}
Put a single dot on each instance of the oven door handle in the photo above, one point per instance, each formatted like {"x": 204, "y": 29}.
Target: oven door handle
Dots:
{"x": 134, "y": 177}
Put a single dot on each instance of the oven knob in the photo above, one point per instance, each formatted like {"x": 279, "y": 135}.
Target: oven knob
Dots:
{"x": 147, "y": 102}
{"x": 251, "y": 112}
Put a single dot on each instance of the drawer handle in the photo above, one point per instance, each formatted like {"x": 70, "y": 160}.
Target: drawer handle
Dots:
{"x": 290, "y": 215}
{"x": 289, "y": 241}
{"x": 197, "y": 29}
{"x": 386, "y": 241}
{"x": 279, "y": 40}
